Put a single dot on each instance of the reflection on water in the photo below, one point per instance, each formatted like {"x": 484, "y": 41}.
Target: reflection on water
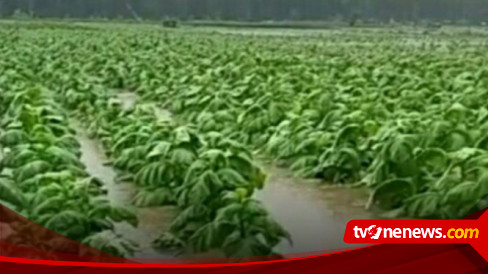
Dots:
{"x": 315, "y": 216}
{"x": 152, "y": 221}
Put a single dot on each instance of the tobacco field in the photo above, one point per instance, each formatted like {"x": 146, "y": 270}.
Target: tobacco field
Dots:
{"x": 404, "y": 115}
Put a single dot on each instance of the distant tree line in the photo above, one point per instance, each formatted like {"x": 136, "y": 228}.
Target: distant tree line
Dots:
{"x": 254, "y": 10}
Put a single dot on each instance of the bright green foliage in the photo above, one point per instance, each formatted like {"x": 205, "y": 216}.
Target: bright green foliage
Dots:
{"x": 405, "y": 117}
{"x": 43, "y": 177}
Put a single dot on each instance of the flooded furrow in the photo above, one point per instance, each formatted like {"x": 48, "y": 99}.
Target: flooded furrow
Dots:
{"x": 314, "y": 215}
{"x": 152, "y": 221}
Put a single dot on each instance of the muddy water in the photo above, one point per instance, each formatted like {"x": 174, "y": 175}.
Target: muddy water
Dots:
{"x": 315, "y": 216}
{"x": 152, "y": 221}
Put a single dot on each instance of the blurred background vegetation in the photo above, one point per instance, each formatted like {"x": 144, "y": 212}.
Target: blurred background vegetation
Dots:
{"x": 349, "y": 11}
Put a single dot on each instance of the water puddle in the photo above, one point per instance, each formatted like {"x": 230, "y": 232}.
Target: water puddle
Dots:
{"x": 314, "y": 215}
{"x": 152, "y": 221}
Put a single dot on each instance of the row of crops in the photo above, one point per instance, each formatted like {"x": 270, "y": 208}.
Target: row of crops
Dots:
{"x": 42, "y": 176}
{"x": 209, "y": 177}
{"x": 407, "y": 120}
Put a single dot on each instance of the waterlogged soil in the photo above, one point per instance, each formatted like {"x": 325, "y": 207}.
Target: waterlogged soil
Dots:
{"x": 153, "y": 221}
{"x": 313, "y": 213}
